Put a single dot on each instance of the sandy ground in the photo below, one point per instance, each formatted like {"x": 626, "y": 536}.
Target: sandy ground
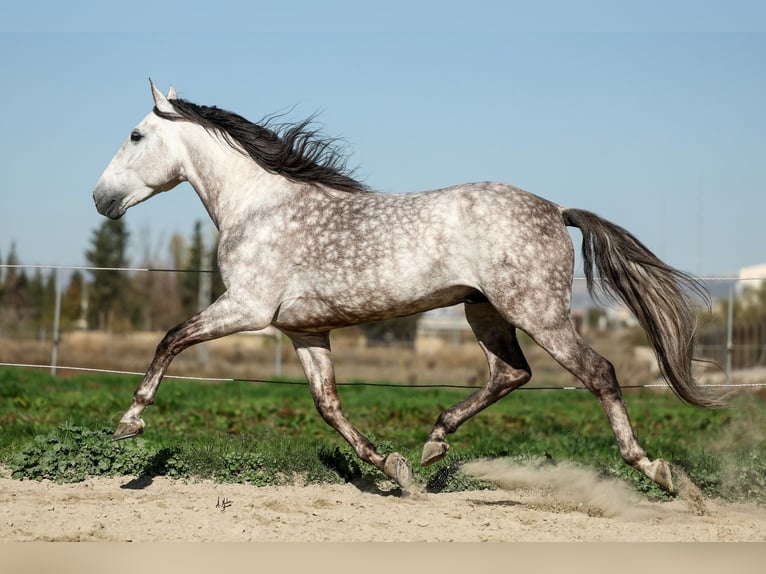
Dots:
{"x": 558, "y": 504}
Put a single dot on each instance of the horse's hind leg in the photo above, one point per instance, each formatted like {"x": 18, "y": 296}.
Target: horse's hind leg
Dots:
{"x": 313, "y": 351}
{"x": 598, "y": 375}
{"x": 508, "y": 370}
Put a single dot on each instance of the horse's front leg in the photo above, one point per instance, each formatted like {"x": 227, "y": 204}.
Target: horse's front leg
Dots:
{"x": 314, "y": 354}
{"x": 221, "y": 318}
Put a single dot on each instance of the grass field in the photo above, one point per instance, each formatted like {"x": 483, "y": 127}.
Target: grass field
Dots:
{"x": 270, "y": 434}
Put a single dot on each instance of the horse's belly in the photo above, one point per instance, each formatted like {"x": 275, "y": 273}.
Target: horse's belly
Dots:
{"x": 321, "y": 313}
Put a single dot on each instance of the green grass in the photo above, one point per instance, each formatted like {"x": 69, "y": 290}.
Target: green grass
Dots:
{"x": 271, "y": 434}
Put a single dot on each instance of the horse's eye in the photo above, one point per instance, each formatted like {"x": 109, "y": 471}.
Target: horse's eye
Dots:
{"x": 136, "y": 136}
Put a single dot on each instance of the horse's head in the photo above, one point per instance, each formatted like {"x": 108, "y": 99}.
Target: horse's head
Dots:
{"x": 147, "y": 163}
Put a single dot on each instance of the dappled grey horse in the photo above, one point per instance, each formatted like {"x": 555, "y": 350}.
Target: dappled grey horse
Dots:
{"x": 305, "y": 247}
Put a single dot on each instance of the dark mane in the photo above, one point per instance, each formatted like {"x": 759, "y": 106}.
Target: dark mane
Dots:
{"x": 296, "y": 151}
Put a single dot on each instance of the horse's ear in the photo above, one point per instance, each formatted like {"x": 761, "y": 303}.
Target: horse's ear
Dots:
{"x": 172, "y": 93}
{"x": 160, "y": 101}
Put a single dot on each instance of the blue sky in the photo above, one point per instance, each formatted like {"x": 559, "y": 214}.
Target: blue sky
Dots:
{"x": 652, "y": 116}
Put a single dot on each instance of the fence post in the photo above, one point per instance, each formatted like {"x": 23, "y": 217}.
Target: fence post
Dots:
{"x": 56, "y": 324}
{"x": 730, "y": 333}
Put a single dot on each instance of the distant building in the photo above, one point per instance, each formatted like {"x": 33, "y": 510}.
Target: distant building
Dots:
{"x": 752, "y": 276}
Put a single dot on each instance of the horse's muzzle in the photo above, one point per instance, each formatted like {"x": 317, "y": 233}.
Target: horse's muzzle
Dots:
{"x": 110, "y": 207}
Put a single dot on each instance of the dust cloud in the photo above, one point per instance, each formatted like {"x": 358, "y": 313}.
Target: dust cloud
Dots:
{"x": 565, "y": 487}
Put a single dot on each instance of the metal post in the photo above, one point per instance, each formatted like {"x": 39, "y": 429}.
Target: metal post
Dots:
{"x": 56, "y": 324}
{"x": 729, "y": 334}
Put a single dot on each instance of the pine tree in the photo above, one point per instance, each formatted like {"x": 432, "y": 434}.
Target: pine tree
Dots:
{"x": 11, "y": 273}
{"x": 179, "y": 250}
{"x": 71, "y": 299}
{"x": 36, "y": 300}
{"x": 14, "y": 311}
{"x": 155, "y": 294}
{"x": 109, "y": 289}
{"x": 189, "y": 280}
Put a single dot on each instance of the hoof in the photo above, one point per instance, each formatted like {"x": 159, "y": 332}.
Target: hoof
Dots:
{"x": 128, "y": 429}
{"x": 433, "y": 452}
{"x": 398, "y": 468}
{"x": 659, "y": 472}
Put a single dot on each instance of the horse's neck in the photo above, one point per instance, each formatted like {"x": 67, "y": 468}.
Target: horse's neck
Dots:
{"x": 230, "y": 184}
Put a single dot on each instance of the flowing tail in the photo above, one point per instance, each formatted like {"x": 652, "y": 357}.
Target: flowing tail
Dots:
{"x": 659, "y": 296}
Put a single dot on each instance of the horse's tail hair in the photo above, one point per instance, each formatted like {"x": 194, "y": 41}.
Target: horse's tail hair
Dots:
{"x": 660, "y": 297}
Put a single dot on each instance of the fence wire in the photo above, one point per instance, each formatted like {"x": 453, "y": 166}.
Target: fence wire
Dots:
{"x": 356, "y": 383}
{"x": 54, "y": 367}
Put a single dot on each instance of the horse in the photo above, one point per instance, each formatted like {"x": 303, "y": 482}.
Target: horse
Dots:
{"x": 306, "y": 247}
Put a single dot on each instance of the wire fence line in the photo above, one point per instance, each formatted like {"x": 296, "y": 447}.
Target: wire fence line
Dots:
{"x": 356, "y": 383}
{"x": 723, "y": 350}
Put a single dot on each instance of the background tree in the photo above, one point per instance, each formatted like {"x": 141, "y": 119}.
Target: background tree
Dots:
{"x": 156, "y": 294}
{"x": 12, "y": 276}
{"x": 13, "y": 313}
{"x": 179, "y": 251}
{"x": 752, "y": 303}
{"x": 749, "y": 307}
{"x": 189, "y": 279}
{"x": 109, "y": 288}
{"x": 200, "y": 257}
{"x": 72, "y": 299}
{"x": 40, "y": 302}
